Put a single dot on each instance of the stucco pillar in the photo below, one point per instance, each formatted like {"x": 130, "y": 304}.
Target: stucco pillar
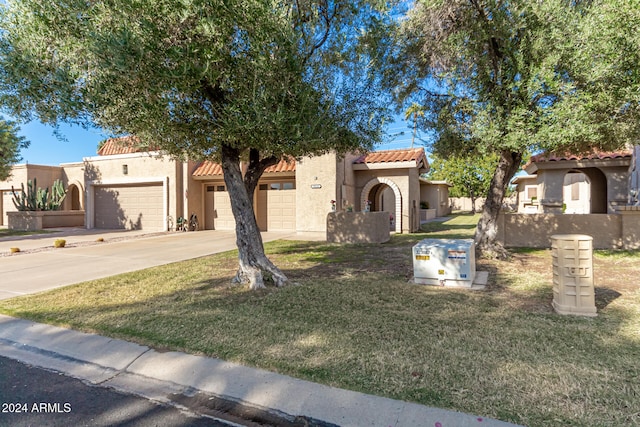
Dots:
{"x": 617, "y": 190}
{"x": 551, "y": 189}
{"x": 630, "y": 226}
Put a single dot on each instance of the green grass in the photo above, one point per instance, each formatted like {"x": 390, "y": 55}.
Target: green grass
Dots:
{"x": 353, "y": 321}
{"x": 5, "y": 232}
{"x": 456, "y": 227}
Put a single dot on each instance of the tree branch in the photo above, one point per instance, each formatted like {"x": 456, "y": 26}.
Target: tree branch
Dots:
{"x": 256, "y": 168}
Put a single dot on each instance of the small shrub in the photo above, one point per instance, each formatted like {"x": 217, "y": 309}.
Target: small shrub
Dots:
{"x": 59, "y": 243}
{"x": 100, "y": 239}
{"x": 14, "y": 250}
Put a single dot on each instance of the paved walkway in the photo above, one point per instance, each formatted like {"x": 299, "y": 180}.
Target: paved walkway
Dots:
{"x": 140, "y": 370}
{"x": 41, "y": 267}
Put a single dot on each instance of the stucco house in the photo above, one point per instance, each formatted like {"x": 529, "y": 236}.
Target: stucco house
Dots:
{"x": 594, "y": 194}
{"x": 123, "y": 187}
{"x": 572, "y": 184}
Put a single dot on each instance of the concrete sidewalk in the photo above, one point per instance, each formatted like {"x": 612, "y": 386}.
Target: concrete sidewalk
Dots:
{"x": 139, "y": 370}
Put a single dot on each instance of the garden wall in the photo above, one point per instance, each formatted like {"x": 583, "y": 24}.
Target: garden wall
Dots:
{"x": 358, "y": 227}
{"x": 427, "y": 214}
{"x": 464, "y": 203}
{"x": 31, "y": 221}
{"x": 609, "y": 231}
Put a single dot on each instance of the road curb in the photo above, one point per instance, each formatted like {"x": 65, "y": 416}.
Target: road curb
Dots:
{"x": 143, "y": 371}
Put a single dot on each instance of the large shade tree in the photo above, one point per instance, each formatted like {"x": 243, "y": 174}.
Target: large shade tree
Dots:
{"x": 232, "y": 81}
{"x": 10, "y": 145}
{"x": 506, "y": 78}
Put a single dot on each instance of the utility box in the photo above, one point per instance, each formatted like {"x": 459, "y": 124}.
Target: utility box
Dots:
{"x": 444, "y": 262}
{"x": 573, "y": 290}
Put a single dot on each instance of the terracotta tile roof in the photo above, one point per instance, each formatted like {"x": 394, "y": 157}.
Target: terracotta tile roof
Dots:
{"x": 393, "y": 156}
{"x": 209, "y": 168}
{"x": 594, "y": 155}
{"x": 122, "y": 145}
{"x": 284, "y": 165}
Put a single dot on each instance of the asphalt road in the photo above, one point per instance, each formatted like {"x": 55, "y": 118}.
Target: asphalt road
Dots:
{"x": 32, "y": 396}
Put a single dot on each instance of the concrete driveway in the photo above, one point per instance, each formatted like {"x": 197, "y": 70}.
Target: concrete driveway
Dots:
{"x": 46, "y": 268}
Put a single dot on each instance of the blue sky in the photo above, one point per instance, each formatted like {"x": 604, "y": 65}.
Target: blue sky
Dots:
{"x": 47, "y": 149}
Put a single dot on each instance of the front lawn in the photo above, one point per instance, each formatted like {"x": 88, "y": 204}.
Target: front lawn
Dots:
{"x": 5, "y": 232}
{"x": 352, "y": 320}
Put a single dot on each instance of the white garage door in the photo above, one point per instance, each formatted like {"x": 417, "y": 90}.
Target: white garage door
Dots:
{"x": 281, "y": 210}
{"x": 6, "y": 205}
{"x": 222, "y": 214}
{"x": 133, "y": 207}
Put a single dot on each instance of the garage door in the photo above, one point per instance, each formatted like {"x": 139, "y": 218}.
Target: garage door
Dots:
{"x": 222, "y": 214}
{"x": 281, "y": 210}
{"x": 6, "y": 205}
{"x": 133, "y": 207}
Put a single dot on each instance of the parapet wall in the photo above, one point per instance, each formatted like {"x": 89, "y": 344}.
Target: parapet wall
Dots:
{"x": 609, "y": 231}
{"x": 31, "y": 221}
{"x": 358, "y": 227}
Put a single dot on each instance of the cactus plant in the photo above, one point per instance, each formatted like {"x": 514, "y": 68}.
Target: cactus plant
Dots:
{"x": 25, "y": 200}
{"x": 42, "y": 197}
{"x": 39, "y": 199}
{"x": 58, "y": 193}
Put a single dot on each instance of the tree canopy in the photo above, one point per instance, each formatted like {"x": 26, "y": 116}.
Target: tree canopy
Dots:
{"x": 470, "y": 176}
{"x": 511, "y": 77}
{"x": 191, "y": 75}
{"x": 225, "y": 80}
{"x": 10, "y": 145}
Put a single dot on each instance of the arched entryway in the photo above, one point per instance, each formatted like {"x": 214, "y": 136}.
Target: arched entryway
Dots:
{"x": 384, "y": 195}
{"x": 74, "y": 200}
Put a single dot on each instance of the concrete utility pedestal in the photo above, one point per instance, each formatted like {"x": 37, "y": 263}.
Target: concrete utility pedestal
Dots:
{"x": 573, "y": 290}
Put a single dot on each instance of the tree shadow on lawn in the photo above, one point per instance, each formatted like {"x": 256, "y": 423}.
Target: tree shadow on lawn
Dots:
{"x": 353, "y": 321}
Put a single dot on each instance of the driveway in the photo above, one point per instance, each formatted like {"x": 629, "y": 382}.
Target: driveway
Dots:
{"x": 46, "y": 268}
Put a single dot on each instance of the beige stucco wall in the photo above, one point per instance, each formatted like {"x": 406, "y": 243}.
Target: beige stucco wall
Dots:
{"x": 535, "y": 230}
{"x": 630, "y": 226}
{"x": 617, "y": 186}
{"x": 316, "y": 184}
{"x": 31, "y": 221}
{"x": 357, "y": 227}
{"x": 141, "y": 168}
{"x": 190, "y": 193}
{"x": 608, "y": 179}
{"x": 437, "y": 195}
{"x": 44, "y": 176}
{"x": 523, "y": 201}
{"x": 550, "y": 188}
{"x": 407, "y": 183}
{"x": 73, "y": 175}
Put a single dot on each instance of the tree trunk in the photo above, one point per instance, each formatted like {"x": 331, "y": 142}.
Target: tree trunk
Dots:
{"x": 473, "y": 202}
{"x": 487, "y": 231}
{"x": 254, "y": 266}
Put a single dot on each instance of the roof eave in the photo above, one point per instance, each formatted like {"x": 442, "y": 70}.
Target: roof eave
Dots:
{"x": 386, "y": 165}
{"x": 577, "y": 164}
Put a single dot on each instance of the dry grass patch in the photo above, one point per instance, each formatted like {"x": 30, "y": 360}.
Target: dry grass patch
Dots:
{"x": 354, "y": 321}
